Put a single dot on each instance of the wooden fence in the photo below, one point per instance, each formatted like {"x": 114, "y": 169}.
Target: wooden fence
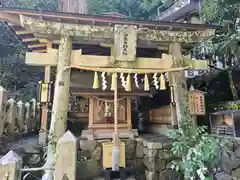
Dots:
{"x": 17, "y": 118}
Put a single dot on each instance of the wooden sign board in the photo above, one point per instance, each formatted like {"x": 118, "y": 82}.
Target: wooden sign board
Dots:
{"x": 46, "y": 92}
{"x": 196, "y": 101}
{"x": 125, "y": 42}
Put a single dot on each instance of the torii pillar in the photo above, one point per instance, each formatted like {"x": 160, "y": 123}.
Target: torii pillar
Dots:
{"x": 178, "y": 82}
{"x": 61, "y": 92}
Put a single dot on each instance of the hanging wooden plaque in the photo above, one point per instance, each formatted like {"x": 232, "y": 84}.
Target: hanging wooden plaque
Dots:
{"x": 44, "y": 92}
{"x": 196, "y": 101}
{"x": 125, "y": 42}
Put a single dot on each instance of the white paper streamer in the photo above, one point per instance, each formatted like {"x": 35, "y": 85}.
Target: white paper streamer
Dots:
{"x": 104, "y": 82}
{"x": 155, "y": 81}
{"x": 136, "y": 80}
{"x": 123, "y": 81}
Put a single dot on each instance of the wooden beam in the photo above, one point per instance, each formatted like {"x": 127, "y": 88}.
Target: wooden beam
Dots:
{"x": 40, "y": 51}
{"x": 196, "y": 64}
{"x": 30, "y": 39}
{"x": 42, "y": 59}
{"x": 43, "y": 41}
{"x": 92, "y": 31}
{"x": 77, "y": 59}
{"x": 10, "y": 18}
{"x": 22, "y": 32}
{"x": 37, "y": 45}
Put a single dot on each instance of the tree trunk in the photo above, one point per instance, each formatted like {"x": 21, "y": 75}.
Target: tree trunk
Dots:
{"x": 60, "y": 102}
{"x": 232, "y": 86}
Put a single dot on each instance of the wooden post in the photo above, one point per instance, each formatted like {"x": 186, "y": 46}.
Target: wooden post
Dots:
{"x": 66, "y": 157}
{"x": 10, "y": 166}
{"x": 91, "y": 112}
{"x": 11, "y": 116}
{"x": 42, "y": 138}
{"x": 129, "y": 113}
{"x": 178, "y": 81}
{"x": 20, "y": 115}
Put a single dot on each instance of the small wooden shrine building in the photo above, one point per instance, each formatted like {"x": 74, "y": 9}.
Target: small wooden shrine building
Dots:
{"x": 94, "y": 43}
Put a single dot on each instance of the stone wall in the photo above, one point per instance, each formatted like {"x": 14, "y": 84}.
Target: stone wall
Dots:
{"x": 230, "y": 161}
{"x": 146, "y": 158}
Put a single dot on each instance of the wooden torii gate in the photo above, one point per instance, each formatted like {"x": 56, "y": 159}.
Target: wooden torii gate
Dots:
{"x": 62, "y": 30}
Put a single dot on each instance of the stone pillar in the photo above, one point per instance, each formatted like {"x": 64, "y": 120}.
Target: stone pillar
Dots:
{"x": 10, "y": 166}
{"x": 33, "y": 114}
{"x": 27, "y": 118}
{"x": 38, "y": 116}
{"x": 178, "y": 81}
{"x": 66, "y": 157}
{"x": 20, "y": 115}
{"x": 61, "y": 91}
{"x": 3, "y": 99}
{"x": 11, "y": 116}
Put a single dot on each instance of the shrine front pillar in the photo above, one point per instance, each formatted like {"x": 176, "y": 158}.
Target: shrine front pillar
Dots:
{"x": 61, "y": 91}
{"x": 178, "y": 82}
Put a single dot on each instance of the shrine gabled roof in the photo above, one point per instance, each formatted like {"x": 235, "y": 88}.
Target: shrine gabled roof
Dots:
{"x": 38, "y": 43}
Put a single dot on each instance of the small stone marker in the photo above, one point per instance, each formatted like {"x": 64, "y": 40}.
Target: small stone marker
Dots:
{"x": 66, "y": 159}
{"x": 33, "y": 114}
{"x": 11, "y": 115}
{"x": 27, "y": 122}
{"x": 20, "y": 115}
{"x": 10, "y": 166}
{"x": 3, "y": 99}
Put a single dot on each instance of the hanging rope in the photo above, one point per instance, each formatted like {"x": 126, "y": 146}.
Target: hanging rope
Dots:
{"x": 126, "y": 70}
{"x": 106, "y": 100}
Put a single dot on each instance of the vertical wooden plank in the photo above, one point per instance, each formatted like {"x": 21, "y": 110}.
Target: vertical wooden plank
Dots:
{"x": 91, "y": 111}
{"x": 44, "y": 114}
{"x": 129, "y": 113}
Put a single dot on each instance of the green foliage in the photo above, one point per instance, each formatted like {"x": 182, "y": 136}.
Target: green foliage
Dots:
{"x": 130, "y": 8}
{"x": 19, "y": 79}
{"x": 199, "y": 152}
{"x": 45, "y": 5}
{"x": 225, "y": 13}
